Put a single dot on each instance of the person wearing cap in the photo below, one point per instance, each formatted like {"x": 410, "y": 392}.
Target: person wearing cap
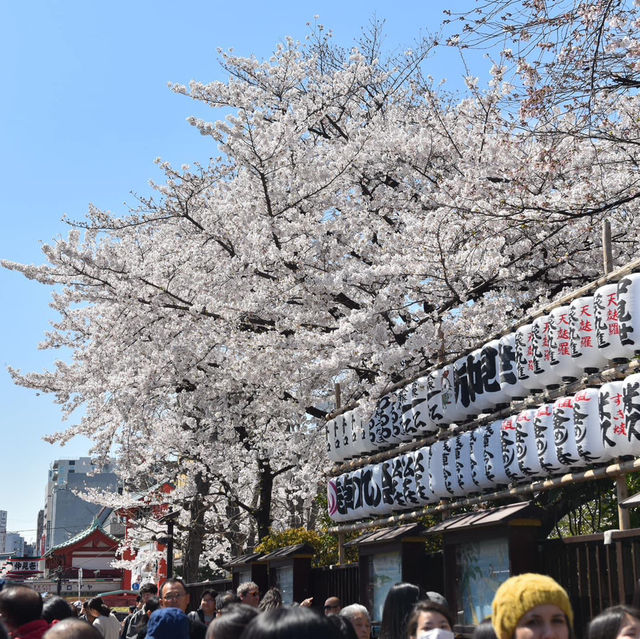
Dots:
{"x": 168, "y": 623}
{"x": 532, "y": 606}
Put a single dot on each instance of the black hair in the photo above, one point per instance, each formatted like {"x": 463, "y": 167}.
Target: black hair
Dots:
{"x": 607, "y": 624}
{"x": 231, "y": 624}
{"x": 173, "y": 580}
{"x": 97, "y": 604}
{"x": 132, "y": 609}
{"x": 290, "y": 623}
{"x": 153, "y": 603}
{"x": 224, "y": 599}
{"x": 426, "y": 606}
{"x": 484, "y": 630}
{"x": 148, "y": 587}
{"x": 272, "y": 599}
{"x": 344, "y": 626}
{"x": 211, "y": 593}
{"x": 20, "y": 605}
{"x": 56, "y": 608}
{"x": 398, "y": 605}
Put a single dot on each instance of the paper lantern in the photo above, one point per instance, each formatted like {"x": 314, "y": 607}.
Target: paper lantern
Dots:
{"x": 476, "y": 459}
{"x": 629, "y": 314}
{"x": 565, "y": 434}
{"x": 586, "y": 424}
{"x": 631, "y": 402}
{"x": 410, "y": 485}
{"x": 509, "y": 382}
{"x": 450, "y": 469}
{"x": 347, "y": 436}
{"x": 360, "y": 433}
{"x": 462, "y": 450}
{"x": 493, "y": 460}
{"x": 563, "y": 364}
{"x": 584, "y": 344}
{"x": 612, "y": 420}
{"x": 329, "y": 428}
{"x": 358, "y": 506}
{"x": 371, "y": 488}
{"x": 546, "y": 440}
{"x": 542, "y": 352}
{"x": 467, "y": 376}
{"x": 410, "y": 394}
{"x": 490, "y": 372}
{"x": 525, "y": 359}
{"x": 382, "y": 418}
{"x": 605, "y": 307}
{"x": 526, "y": 445}
{"x": 336, "y": 499}
{"x": 480, "y": 399}
{"x": 397, "y": 481}
{"x": 380, "y": 501}
{"x": 436, "y": 470}
{"x": 423, "y": 483}
{"x": 509, "y": 449}
{"x": 441, "y": 397}
{"x": 423, "y": 423}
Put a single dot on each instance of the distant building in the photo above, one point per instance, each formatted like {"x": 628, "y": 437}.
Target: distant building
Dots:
{"x": 66, "y": 514}
{"x": 14, "y": 543}
{"x": 3, "y": 529}
{"x": 39, "y": 530}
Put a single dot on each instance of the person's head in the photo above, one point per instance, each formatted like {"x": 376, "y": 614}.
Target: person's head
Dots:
{"x": 332, "y": 606}
{"x": 358, "y": 615}
{"x": 208, "y": 603}
{"x": 151, "y": 605}
{"x": 484, "y": 630}
{"x": 532, "y": 606}
{"x": 174, "y": 594}
{"x": 428, "y": 615}
{"x": 146, "y": 591}
{"x": 132, "y": 609}
{"x": 344, "y": 626}
{"x": 19, "y": 605}
{"x": 249, "y": 593}
{"x": 232, "y": 623}
{"x": 97, "y": 608}
{"x": 225, "y": 599}
{"x": 398, "y": 605}
{"x": 56, "y": 608}
{"x": 290, "y": 623}
{"x": 621, "y": 622}
{"x": 72, "y": 628}
{"x": 168, "y": 623}
{"x": 272, "y": 599}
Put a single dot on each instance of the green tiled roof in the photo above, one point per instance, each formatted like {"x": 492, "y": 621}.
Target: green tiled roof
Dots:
{"x": 80, "y": 536}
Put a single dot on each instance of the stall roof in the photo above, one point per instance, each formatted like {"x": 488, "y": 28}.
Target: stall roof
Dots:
{"x": 630, "y": 502}
{"x": 388, "y": 534}
{"x": 244, "y": 560}
{"x": 289, "y": 551}
{"x": 493, "y": 516}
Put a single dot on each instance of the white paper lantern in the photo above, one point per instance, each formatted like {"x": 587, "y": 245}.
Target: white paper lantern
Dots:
{"x": 450, "y": 469}
{"x": 410, "y": 393}
{"x": 509, "y": 449}
{"x": 493, "y": 460}
{"x": 397, "y": 480}
{"x": 384, "y": 436}
{"x": 388, "y": 491}
{"x": 467, "y": 382}
{"x": 563, "y": 364}
{"x": 490, "y": 369}
{"x": 347, "y": 436}
{"x": 586, "y": 424}
{"x": 410, "y": 485}
{"x": 525, "y": 359}
{"x": 509, "y": 382}
{"x": 462, "y": 449}
{"x": 584, "y": 344}
{"x": 612, "y": 420}
{"x": 565, "y": 434}
{"x": 423, "y": 483}
{"x": 336, "y": 499}
{"x": 371, "y": 488}
{"x": 360, "y": 433}
{"x": 436, "y": 471}
{"x": 478, "y": 475}
{"x": 423, "y": 423}
{"x": 631, "y": 402}
{"x": 629, "y": 314}
{"x": 329, "y": 428}
{"x": 481, "y": 400}
{"x": 605, "y": 306}
{"x": 526, "y": 445}
{"x": 379, "y": 500}
{"x": 542, "y": 353}
{"x": 441, "y": 397}
{"x": 546, "y": 440}
{"x": 358, "y": 506}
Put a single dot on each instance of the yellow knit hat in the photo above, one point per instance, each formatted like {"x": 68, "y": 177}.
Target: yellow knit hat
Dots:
{"x": 517, "y": 595}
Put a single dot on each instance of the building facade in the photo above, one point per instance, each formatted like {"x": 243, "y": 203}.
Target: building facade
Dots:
{"x": 66, "y": 514}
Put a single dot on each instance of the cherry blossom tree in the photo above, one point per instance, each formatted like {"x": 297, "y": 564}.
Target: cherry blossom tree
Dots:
{"x": 356, "y": 226}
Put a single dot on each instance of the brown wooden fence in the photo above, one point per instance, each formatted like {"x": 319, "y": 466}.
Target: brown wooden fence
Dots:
{"x": 596, "y": 575}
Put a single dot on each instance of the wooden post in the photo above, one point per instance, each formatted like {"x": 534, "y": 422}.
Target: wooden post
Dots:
{"x": 622, "y": 491}
{"x": 341, "y": 559}
{"x": 336, "y": 388}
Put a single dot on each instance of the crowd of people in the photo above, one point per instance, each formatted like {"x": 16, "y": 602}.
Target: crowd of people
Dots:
{"x": 528, "y": 606}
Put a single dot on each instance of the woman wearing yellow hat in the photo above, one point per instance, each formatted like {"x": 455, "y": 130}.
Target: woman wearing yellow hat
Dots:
{"x": 532, "y": 606}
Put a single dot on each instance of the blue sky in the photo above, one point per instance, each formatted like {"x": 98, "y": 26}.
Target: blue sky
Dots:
{"x": 85, "y": 110}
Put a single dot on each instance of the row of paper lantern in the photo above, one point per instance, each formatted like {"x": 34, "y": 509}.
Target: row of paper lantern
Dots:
{"x": 581, "y": 337}
{"x": 594, "y": 426}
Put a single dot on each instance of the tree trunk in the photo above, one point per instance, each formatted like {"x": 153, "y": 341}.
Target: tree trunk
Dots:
{"x": 193, "y": 544}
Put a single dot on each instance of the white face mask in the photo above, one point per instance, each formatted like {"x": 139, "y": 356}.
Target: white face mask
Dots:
{"x": 435, "y": 633}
